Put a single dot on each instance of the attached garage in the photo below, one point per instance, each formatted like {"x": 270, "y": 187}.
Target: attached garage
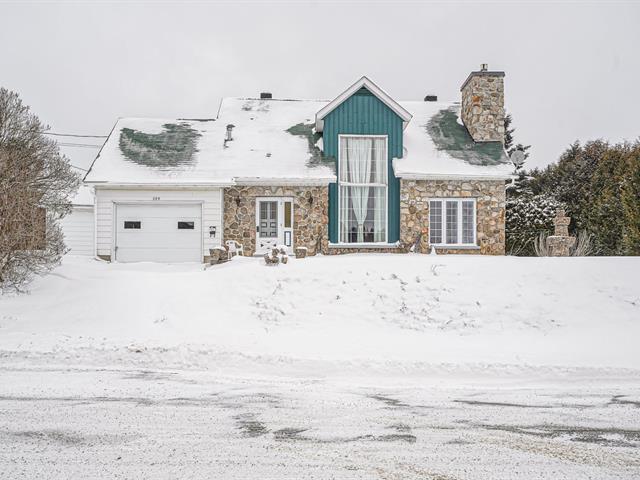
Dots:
{"x": 158, "y": 225}
{"x": 78, "y": 231}
{"x": 158, "y": 232}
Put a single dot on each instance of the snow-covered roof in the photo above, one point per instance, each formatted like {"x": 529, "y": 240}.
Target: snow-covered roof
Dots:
{"x": 363, "y": 82}
{"x": 274, "y": 142}
{"x": 438, "y": 145}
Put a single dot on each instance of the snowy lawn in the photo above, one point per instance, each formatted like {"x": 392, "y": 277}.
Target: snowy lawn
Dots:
{"x": 358, "y": 367}
{"x": 373, "y": 312}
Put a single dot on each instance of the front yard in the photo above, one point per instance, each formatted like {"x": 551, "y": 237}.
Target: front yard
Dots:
{"x": 363, "y": 366}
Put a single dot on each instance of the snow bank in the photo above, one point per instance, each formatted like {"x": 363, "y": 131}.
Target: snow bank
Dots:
{"x": 405, "y": 312}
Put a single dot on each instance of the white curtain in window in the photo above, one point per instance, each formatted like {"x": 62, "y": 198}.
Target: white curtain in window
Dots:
{"x": 359, "y": 164}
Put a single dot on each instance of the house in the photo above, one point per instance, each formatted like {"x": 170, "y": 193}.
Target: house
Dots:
{"x": 363, "y": 172}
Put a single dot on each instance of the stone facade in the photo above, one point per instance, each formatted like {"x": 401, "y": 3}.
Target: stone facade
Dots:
{"x": 310, "y": 227}
{"x": 310, "y": 221}
{"x": 490, "y": 212}
{"x": 483, "y": 106}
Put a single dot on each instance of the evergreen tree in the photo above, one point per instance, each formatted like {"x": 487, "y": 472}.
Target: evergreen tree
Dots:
{"x": 518, "y": 185}
{"x": 600, "y": 185}
{"x": 527, "y": 216}
{"x": 630, "y": 198}
{"x": 509, "y": 138}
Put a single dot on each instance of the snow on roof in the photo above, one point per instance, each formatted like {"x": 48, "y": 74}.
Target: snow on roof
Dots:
{"x": 274, "y": 139}
{"x": 274, "y": 142}
{"x": 438, "y": 145}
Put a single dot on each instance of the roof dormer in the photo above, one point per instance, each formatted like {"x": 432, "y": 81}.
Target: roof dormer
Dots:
{"x": 362, "y": 83}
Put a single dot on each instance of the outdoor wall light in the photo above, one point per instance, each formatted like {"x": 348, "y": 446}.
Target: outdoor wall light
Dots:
{"x": 212, "y": 231}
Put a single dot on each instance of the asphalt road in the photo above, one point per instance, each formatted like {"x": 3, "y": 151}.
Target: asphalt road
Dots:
{"x": 68, "y": 423}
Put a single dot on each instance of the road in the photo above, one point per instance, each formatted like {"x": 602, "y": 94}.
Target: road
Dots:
{"x": 61, "y": 422}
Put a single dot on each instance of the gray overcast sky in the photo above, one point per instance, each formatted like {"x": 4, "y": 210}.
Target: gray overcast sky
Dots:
{"x": 572, "y": 69}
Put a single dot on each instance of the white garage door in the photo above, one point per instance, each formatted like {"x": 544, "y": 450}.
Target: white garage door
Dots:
{"x": 158, "y": 233}
{"x": 78, "y": 231}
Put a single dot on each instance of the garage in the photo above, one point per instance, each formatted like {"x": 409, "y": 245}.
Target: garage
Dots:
{"x": 158, "y": 232}
{"x": 77, "y": 228}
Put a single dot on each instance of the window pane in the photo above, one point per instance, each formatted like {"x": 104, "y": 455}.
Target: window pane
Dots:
{"x": 468, "y": 227}
{"x": 435, "y": 221}
{"x": 375, "y": 225}
{"x": 379, "y": 164}
{"x": 268, "y": 219}
{"x": 363, "y": 160}
{"x": 363, "y": 206}
{"x": 186, "y": 225}
{"x": 452, "y": 221}
{"x": 287, "y": 215}
{"x": 134, "y": 225}
{"x": 363, "y": 214}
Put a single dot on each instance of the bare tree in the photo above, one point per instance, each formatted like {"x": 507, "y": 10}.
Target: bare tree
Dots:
{"x": 36, "y": 182}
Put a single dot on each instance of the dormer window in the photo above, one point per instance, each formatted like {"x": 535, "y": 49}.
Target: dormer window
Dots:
{"x": 362, "y": 188}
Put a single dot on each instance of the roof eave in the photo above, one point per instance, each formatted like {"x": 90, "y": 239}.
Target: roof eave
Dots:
{"x": 161, "y": 185}
{"x": 279, "y": 181}
{"x": 452, "y": 176}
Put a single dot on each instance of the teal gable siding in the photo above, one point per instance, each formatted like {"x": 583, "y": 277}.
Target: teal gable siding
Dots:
{"x": 364, "y": 114}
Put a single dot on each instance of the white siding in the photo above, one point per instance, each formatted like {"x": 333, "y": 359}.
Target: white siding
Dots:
{"x": 211, "y": 200}
{"x": 78, "y": 231}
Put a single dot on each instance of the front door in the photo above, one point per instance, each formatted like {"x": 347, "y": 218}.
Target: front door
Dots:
{"x": 274, "y": 223}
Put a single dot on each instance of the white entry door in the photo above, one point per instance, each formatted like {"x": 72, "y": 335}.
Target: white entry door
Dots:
{"x": 274, "y": 223}
{"x": 158, "y": 233}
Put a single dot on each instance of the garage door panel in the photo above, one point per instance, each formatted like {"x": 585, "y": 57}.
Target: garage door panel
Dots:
{"x": 161, "y": 211}
{"x": 156, "y": 255}
{"x": 160, "y": 240}
{"x": 159, "y": 237}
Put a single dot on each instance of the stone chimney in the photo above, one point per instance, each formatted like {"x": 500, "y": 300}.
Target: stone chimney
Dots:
{"x": 483, "y": 105}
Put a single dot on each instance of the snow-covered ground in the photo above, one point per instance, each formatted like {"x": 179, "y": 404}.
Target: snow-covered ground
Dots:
{"x": 363, "y": 366}
{"x": 358, "y": 312}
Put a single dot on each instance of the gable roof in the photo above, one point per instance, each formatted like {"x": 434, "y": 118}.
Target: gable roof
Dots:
{"x": 275, "y": 143}
{"x": 272, "y": 143}
{"x": 363, "y": 82}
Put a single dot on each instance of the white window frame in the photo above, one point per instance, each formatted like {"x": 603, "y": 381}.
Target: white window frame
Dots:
{"x": 377, "y": 185}
{"x": 443, "y": 220}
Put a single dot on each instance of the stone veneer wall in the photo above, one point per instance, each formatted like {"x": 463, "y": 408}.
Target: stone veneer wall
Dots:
{"x": 490, "y": 214}
{"x": 483, "y": 106}
{"x": 310, "y": 221}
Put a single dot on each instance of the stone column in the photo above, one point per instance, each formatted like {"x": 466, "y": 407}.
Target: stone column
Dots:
{"x": 560, "y": 243}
